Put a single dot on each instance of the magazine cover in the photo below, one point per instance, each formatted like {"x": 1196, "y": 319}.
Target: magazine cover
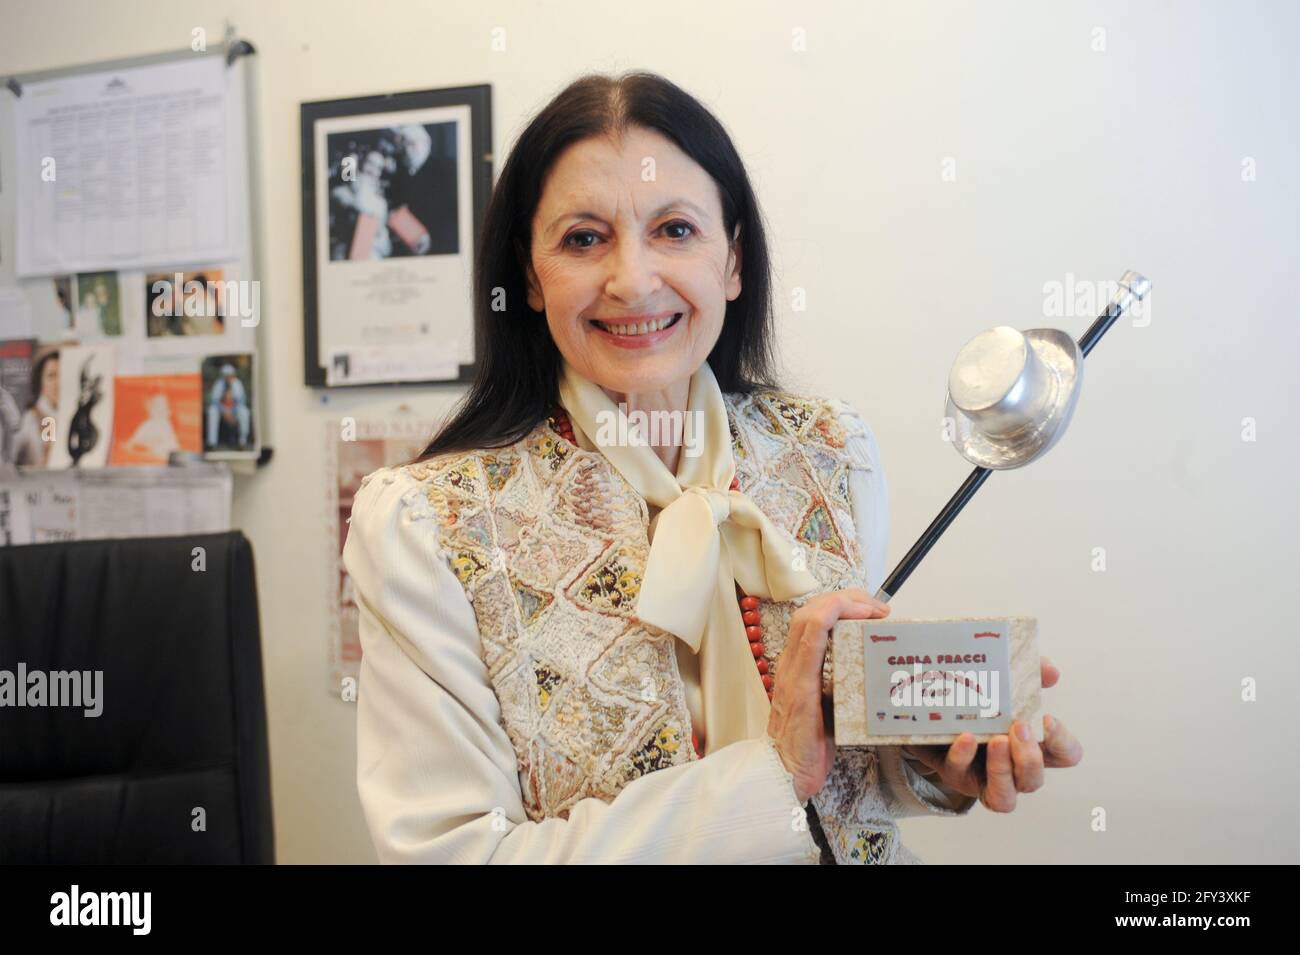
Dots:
{"x": 85, "y": 419}
{"x": 15, "y": 392}
{"x": 154, "y": 415}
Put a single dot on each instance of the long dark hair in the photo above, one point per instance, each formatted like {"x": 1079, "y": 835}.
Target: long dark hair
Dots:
{"x": 518, "y": 379}
{"x": 38, "y": 374}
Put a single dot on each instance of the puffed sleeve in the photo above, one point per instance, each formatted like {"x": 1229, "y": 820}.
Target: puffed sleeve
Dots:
{"x": 911, "y": 788}
{"x": 436, "y": 771}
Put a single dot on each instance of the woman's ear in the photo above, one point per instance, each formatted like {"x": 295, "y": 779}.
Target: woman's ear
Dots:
{"x": 734, "y": 263}
{"x": 535, "y": 300}
{"x": 534, "y": 288}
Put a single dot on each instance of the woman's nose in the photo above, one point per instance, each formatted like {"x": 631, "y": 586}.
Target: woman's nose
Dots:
{"x": 633, "y": 275}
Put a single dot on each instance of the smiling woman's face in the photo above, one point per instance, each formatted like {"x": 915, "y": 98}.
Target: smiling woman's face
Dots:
{"x": 609, "y": 246}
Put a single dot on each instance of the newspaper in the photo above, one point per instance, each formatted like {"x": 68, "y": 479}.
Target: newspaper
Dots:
{"x": 39, "y": 506}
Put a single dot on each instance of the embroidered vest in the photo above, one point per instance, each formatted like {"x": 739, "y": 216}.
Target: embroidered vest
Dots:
{"x": 550, "y": 542}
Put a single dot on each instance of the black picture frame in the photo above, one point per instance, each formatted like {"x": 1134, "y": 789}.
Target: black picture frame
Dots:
{"x": 479, "y": 100}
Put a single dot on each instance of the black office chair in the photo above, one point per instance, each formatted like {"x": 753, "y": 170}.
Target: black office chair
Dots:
{"x": 175, "y": 768}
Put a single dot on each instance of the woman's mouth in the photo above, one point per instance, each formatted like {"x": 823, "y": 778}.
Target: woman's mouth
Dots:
{"x": 636, "y": 334}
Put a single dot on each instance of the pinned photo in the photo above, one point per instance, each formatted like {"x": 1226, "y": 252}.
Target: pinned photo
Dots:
{"x": 99, "y": 305}
{"x": 85, "y": 418}
{"x": 228, "y": 422}
{"x": 38, "y": 426}
{"x": 15, "y": 385}
{"x": 185, "y": 303}
{"x": 155, "y": 415}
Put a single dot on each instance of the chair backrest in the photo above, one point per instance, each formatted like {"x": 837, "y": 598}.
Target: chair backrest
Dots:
{"x": 132, "y": 713}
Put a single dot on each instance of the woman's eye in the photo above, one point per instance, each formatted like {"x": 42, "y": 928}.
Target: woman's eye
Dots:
{"x": 569, "y": 240}
{"x": 573, "y": 235}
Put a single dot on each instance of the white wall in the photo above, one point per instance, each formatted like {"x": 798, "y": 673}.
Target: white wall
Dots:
{"x": 1068, "y": 161}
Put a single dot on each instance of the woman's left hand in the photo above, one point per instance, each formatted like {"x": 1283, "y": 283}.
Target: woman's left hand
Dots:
{"x": 1006, "y": 765}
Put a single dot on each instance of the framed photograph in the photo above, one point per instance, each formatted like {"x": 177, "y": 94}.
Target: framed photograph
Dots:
{"x": 394, "y": 188}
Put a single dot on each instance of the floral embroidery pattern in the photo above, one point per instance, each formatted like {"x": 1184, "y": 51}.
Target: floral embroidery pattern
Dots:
{"x": 547, "y": 681}
{"x": 658, "y": 753}
{"x": 612, "y": 587}
{"x": 871, "y": 846}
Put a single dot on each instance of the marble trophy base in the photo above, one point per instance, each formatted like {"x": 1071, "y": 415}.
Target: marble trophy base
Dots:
{"x": 902, "y": 682}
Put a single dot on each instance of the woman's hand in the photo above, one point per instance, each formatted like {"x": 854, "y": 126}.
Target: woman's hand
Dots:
{"x": 801, "y": 721}
{"x": 1006, "y": 765}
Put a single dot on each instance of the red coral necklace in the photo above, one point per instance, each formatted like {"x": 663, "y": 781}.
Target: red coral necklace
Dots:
{"x": 749, "y": 612}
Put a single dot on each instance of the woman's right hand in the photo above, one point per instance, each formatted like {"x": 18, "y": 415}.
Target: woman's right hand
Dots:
{"x": 800, "y": 722}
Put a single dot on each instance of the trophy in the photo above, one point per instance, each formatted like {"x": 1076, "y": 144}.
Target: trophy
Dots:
{"x": 1011, "y": 395}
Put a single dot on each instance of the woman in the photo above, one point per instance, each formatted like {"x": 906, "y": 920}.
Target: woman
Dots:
{"x": 32, "y": 448}
{"x": 579, "y": 646}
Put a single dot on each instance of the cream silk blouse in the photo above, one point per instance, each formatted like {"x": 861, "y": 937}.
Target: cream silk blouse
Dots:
{"x": 437, "y": 773}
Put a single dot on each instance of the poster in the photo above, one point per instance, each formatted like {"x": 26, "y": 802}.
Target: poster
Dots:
{"x": 15, "y": 394}
{"x": 154, "y": 415}
{"x": 85, "y": 418}
{"x": 82, "y": 209}
{"x": 394, "y": 185}
{"x": 355, "y": 449}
